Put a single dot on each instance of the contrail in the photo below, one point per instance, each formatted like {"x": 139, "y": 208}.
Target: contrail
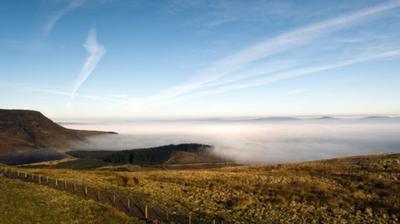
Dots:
{"x": 305, "y": 35}
{"x": 60, "y": 92}
{"x": 56, "y": 16}
{"x": 216, "y": 76}
{"x": 279, "y": 76}
{"x": 286, "y": 75}
{"x": 96, "y": 51}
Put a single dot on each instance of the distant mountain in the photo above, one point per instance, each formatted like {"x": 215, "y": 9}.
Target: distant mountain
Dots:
{"x": 382, "y": 119}
{"x": 276, "y": 119}
{"x": 29, "y": 136}
{"x": 163, "y": 155}
{"x": 326, "y": 118}
{"x": 376, "y": 117}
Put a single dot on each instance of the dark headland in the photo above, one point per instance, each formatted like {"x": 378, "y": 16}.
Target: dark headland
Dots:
{"x": 28, "y": 136}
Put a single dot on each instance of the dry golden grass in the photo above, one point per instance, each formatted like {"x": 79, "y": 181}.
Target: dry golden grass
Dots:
{"x": 349, "y": 190}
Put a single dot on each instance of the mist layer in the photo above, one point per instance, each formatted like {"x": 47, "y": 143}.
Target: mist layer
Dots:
{"x": 255, "y": 142}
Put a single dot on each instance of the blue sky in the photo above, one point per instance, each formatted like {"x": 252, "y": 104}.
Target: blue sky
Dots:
{"x": 172, "y": 59}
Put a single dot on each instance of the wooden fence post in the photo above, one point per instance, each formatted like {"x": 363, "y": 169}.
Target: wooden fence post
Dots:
{"x": 86, "y": 190}
{"x": 129, "y": 203}
{"x": 56, "y": 182}
{"x": 146, "y": 212}
{"x": 26, "y": 175}
{"x": 47, "y": 179}
{"x": 40, "y": 179}
{"x": 33, "y": 176}
{"x": 190, "y": 218}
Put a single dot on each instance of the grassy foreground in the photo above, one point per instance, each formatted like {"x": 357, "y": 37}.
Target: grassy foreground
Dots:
{"x": 26, "y": 203}
{"x": 361, "y": 189}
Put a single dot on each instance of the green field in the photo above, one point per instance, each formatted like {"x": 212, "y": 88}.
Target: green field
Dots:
{"x": 349, "y": 190}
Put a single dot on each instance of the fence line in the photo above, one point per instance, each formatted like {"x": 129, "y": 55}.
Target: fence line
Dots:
{"x": 123, "y": 203}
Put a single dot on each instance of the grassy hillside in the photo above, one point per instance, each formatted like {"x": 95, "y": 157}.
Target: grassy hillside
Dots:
{"x": 357, "y": 189}
{"x": 22, "y": 202}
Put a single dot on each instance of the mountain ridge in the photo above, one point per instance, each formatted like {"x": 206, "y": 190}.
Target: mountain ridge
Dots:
{"x": 27, "y": 134}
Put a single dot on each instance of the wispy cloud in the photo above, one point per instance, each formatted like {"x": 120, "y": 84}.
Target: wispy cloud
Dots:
{"x": 221, "y": 69}
{"x": 57, "y": 15}
{"x": 274, "y": 77}
{"x": 226, "y": 74}
{"x": 219, "y": 12}
{"x": 26, "y": 87}
{"x": 96, "y": 52}
{"x": 294, "y": 73}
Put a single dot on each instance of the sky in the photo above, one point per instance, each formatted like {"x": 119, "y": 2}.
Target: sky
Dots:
{"x": 205, "y": 58}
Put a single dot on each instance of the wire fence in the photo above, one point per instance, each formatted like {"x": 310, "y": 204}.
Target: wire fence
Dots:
{"x": 132, "y": 207}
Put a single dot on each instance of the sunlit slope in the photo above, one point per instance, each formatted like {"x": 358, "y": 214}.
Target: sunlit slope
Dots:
{"x": 22, "y": 202}
{"x": 356, "y": 189}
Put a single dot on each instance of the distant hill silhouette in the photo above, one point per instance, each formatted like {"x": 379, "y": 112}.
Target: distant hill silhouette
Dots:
{"x": 376, "y": 117}
{"x": 326, "y": 118}
{"x": 28, "y": 136}
{"x": 169, "y": 154}
{"x": 277, "y": 119}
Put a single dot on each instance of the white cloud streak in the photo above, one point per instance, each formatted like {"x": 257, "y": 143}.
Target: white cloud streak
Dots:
{"x": 289, "y": 40}
{"x": 57, "y": 15}
{"x": 274, "y": 77}
{"x": 96, "y": 52}
{"x": 218, "y": 77}
{"x": 61, "y": 92}
{"x": 294, "y": 73}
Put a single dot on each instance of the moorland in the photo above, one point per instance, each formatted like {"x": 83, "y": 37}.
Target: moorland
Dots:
{"x": 362, "y": 189}
{"x": 186, "y": 180}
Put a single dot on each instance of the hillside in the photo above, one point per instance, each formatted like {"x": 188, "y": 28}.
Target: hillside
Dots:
{"x": 28, "y": 136}
{"x": 23, "y": 202}
{"x": 361, "y": 189}
{"x": 163, "y": 155}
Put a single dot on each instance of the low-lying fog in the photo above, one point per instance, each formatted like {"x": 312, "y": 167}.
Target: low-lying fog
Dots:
{"x": 257, "y": 141}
